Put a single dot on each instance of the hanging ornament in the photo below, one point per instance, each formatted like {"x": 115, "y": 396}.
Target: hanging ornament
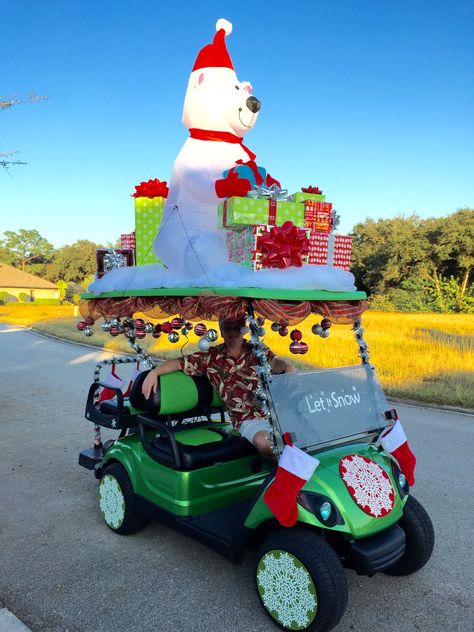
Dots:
{"x": 303, "y": 348}
{"x": 261, "y": 331}
{"x": 295, "y": 346}
{"x": 296, "y": 335}
{"x": 317, "y": 329}
{"x": 204, "y": 344}
{"x": 166, "y": 328}
{"x": 275, "y": 326}
{"x": 188, "y": 325}
{"x": 173, "y": 336}
{"x": 105, "y": 325}
{"x": 283, "y": 331}
{"x": 88, "y": 331}
{"x": 140, "y": 333}
{"x": 139, "y": 323}
{"x": 212, "y": 335}
{"x": 261, "y": 321}
{"x": 326, "y": 323}
{"x": 200, "y": 329}
{"x": 156, "y": 333}
{"x": 184, "y": 330}
{"x": 89, "y": 321}
{"x": 115, "y": 322}
{"x": 114, "y": 330}
{"x": 149, "y": 328}
{"x": 81, "y": 325}
{"x": 324, "y": 333}
{"x": 177, "y": 322}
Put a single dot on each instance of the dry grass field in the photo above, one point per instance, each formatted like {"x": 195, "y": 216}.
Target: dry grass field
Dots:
{"x": 424, "y": 357}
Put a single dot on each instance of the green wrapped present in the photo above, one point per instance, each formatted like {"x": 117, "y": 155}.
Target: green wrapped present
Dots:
{"x": 302, "y": 197}
{"x": 243, "y": 211}
{"x": 148, "y": 214}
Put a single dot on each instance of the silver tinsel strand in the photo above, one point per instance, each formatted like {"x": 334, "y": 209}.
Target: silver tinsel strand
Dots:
{"x": 363, "y": 347}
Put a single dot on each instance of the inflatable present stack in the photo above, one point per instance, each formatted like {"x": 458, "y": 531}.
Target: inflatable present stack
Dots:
{"x": 150, "y": 198}
{"x": 267, "y": 228}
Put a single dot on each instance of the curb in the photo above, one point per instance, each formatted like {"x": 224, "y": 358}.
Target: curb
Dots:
{"x": 10, "y": 623}
{"x": 405, "y": 402}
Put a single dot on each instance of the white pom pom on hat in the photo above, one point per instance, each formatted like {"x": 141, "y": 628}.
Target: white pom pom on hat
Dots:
{"x": 222, "y": 23}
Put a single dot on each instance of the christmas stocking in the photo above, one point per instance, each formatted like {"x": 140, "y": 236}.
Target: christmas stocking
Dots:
{"x": 295, "y": 468}
{"x": 394, "y": 441}
{"x": 114, "y": 380}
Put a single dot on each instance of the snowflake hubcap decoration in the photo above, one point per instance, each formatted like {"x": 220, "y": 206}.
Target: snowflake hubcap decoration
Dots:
{"x": 111, "y": 501}
{"x": 368, "y": 484}
{"x": 286, "y": 590}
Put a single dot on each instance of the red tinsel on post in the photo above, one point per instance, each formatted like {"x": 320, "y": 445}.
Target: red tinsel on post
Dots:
{"x": 283, "y": 246}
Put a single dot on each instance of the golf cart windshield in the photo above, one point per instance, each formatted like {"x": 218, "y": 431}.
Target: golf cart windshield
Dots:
{"x": 329, "y": 405}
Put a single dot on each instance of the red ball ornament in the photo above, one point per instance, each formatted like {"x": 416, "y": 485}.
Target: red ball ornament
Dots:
{"x": 89, "y": 321}
{"x": 295, "y": 347}
{"x": 156, "y": 334}
{"x": 81, "y": 325}
{"x": 296, "y": 335}
{"x": 326, "y": 323}
{"x": 177, "y": 322}
{"x": 166, "y": 328}
{"x": 200, "y": 329}
{"x": 157, "y": 328}
{"x": 138, "y": 323}
{"x": 303, "y": 348}
{"x": 261, "y": 321}
{"x": 114, "y": 330}
{"x": 188, "y": 326}
{"x": 140, "y": 333}
{"x": 283, "y": 331}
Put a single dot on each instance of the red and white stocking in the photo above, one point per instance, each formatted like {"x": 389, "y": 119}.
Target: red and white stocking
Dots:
{"x": 114, "y": 380}
{"x": 295, "y": 468}
{"x": 394, "y": 441}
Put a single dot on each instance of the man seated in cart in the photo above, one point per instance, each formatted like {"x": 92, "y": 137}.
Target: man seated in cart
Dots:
{"x": 231, "y": 368}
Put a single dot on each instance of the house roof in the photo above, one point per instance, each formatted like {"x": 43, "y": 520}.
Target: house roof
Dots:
{"x": 12, "y": 277}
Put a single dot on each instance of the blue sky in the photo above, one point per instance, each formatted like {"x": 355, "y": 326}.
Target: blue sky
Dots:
{"x": 371, "y": 101}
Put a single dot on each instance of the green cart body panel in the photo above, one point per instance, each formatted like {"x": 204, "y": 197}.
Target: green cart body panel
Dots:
{"x": 196, "y": 492}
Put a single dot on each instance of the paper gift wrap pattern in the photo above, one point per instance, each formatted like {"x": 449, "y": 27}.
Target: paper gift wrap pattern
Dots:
{"x": 148, "y": 215}
{"x": 330, "y": 250}
{"x": 236, "y": 212}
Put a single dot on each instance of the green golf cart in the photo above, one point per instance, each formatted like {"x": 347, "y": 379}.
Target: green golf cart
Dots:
{"x": 177, "y": 460}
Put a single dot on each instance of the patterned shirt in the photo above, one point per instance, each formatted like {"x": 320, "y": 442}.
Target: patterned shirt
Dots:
{"x": 236, "y": 380}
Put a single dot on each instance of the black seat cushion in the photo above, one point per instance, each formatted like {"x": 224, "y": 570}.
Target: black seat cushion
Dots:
{"x": 110, "y": 407}
{"x": 195, "y": 456}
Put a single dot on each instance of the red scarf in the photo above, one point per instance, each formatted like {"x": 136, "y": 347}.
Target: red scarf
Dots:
{"x": 223, "y": 137}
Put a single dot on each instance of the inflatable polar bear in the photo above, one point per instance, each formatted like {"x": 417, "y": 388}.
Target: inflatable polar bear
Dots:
{"x": 218, "y": 111}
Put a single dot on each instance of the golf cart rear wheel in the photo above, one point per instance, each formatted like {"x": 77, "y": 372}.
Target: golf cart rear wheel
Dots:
{"x": 300, "y": 581}
{"x": 116, "y": 501}
{"x": 419, "y": 539}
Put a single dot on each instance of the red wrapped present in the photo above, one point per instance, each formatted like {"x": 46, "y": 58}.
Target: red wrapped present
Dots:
{"x": 330, "y": 250}
{"x": 127, "y": 241}
{"x": 111, "y": 258}
{"x": 318, "y": 215}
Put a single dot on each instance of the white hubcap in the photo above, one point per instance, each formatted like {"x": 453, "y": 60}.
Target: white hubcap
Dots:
{"x": 111, "y": 501}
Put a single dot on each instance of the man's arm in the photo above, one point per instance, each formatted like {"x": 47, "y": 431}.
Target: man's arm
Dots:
{"x": 278, "y": 365}
{"x": 150, "y": 383}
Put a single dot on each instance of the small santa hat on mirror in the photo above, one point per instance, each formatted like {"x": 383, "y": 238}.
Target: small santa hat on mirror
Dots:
{"x": 215, "y": 55}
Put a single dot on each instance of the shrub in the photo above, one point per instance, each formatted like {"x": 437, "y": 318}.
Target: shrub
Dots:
{"x": 23, "y": 297}
{"x": 47, "y": 301}
{"x": 5, "y": 297}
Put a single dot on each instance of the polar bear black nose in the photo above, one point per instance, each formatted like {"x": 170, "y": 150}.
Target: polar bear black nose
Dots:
{"x": 253, "y": 104}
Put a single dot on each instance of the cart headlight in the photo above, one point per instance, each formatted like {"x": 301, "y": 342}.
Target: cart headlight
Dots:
{"x": 325, "y": 510}
{"x": 322, "y": 507}
{"x": 402, "y": 480}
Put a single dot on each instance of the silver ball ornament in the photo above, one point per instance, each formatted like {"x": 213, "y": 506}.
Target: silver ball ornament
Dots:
{"x": 184, "y": 330}
{"x": 324, "y": 333}
{"x": 261, "y": 331}
{"x": 106, "y": 325}
{"x": 173, "y": 336}
{"x": 276, "y": 326}
{"x": 149, "y": 327}
{"x": 317, "y": 329}
{"x": 88, "y": 331}
{"x": 204, "y": 344}
{"x": 115, "y": 322}
{"x": 212, "y": 335}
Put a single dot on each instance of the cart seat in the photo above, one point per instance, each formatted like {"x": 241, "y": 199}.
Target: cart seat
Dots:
{"x": 201, "y": 447}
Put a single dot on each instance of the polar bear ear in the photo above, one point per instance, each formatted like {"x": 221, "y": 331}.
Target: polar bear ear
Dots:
{"x": 198, "y": 80}
{"x": 246, "y": 85}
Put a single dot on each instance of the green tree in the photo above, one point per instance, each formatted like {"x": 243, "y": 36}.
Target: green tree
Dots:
{"x": 27, "y": 246}
{"x": 75, "y": 262}
{"x": 62, "y": 288}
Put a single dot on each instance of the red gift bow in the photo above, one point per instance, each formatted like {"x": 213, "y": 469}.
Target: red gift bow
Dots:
{"x": 284, "y": 246}
{"x": 314, "y": 190}
{"x": 151, "y": 189}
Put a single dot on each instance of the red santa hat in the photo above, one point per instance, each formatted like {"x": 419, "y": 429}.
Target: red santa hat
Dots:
{"x": 215, "y": 55}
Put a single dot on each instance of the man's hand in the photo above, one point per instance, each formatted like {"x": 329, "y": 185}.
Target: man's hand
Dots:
{"x": 278, "y": 365}
{"x": 150, "y": 384}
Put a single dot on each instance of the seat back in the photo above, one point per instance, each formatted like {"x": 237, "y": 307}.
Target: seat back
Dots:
{"x": 176, "y": 393}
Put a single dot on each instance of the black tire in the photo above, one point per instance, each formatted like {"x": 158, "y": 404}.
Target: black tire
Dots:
{"x": 317, "y": 558}
{"x": 419, "y": 539}
{"x": 116, "y": 501}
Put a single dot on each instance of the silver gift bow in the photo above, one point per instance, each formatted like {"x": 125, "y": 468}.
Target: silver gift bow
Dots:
{"x": 272, "y": 192}
{"x": 113, "y": 260}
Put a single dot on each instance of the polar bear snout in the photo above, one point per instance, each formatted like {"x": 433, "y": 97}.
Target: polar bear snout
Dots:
{"x": 253, "y": 104}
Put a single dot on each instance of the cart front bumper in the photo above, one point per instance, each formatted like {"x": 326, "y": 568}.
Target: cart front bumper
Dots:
{"x": 368, "y": 556}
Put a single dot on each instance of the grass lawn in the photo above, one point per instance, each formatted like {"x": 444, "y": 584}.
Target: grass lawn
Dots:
{"x": 424, "y": 357}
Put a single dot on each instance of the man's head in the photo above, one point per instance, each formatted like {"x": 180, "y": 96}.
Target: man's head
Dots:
{"x": 231, "y": 329}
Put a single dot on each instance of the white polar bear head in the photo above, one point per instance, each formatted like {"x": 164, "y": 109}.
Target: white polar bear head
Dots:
{"x": 215, "y": 99}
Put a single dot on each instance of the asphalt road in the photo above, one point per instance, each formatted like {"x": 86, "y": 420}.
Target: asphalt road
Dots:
{"x": 62, "y": 569}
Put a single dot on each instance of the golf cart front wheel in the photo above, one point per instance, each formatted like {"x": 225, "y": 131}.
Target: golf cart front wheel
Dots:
{"x": 419, "y": 539}
{"x": 116, "y": 501}
{"x": 300, "y": 581}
